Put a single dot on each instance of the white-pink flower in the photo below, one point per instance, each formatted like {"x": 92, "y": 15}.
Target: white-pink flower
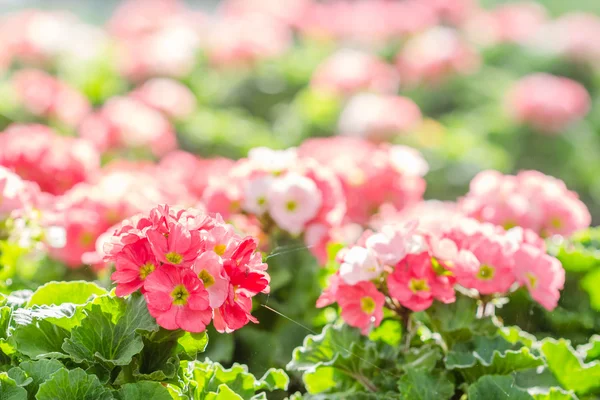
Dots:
{"x": 358, "y": 265}
{"x": 293, "y": 200}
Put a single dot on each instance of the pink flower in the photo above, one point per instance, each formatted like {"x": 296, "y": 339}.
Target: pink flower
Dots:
{"x": 293, "y": 200}
{"x": 513, "y": 23}
{"x": 494, "y": 270}
{"x": 134, "y": 263}
{"x": 359, "y": 265}
{"x": 548, "y": 103}
{"x": 361, "y": 304}
{"x": 530, "y": 199}
{"x": 378, "y": 118}
{"x": 351, "y": 71}
{"x": 167, "y": 96}
{"x": 371, "y": 175}
{"x": 390, "y": 244}
{"x": 542, "y": 274}
{"x": 124, "y": 122}
{"x": 177, "y": 299}
{"x": 177, "y": 246}
{"x": 244, "y": 40}
{"x": 415, "y": 284}
{"x": 434, "y": 55}
{"x": 209, "y": 268}
{"x": 56, "y": 163}
{"x": 15, "y": 193}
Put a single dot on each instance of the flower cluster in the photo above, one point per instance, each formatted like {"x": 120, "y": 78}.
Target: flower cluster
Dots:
{"x": 15, "y": 193}
{"x": 378, "y": 118}
{"x": 56, "y": 163}
{"x": 126, "y": 122}
{"x": 548, "y": 103}
{"x": 406, "y": 266}
{"x": 45, "y": 96}
{"x": 529, "y": 199}
{"x": 371, "y": 174}
{"x": 192, "y": 268}
{"x": 279, "y": 186}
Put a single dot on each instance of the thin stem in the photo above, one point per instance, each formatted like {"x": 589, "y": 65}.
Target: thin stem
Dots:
{"x": 370, "y": 386}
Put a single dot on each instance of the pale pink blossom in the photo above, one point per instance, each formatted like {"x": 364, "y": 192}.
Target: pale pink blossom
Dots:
{"x": 359, "y": 265}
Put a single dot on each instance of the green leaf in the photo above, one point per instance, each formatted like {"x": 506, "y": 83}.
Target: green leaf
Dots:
{"x": 193, "y": 343}
{"x": 496, "y": 387}
{"x": 591, "y": 349}
{"x": 144, "y": 391}
{"x": 569, "y": 369}
{"x": 158, "y": 361}
{"x": 390, "y": 332}
{"x": 223, "y": 392}
{"x": 38, "y": 372}
{"x": 73, "y": 384}
{"x": 98, "y": 338}
{"x": 554, "y": 394}
{"x": 490, "y": 355}
{"x": 9, "y": 389}
{"x": 209, "y": 378}
{"x": 589, "y": 283}
{"x": 514, "y": 334}
{"x": 76, "y": 292}
{"x": 19, "y": 376}
{"x": 273, "y": 379}
{"x": 425, "y": 357}
{"x": 581, "y": 252}
{"x": 458, "y": 321}
{"x": 422, "y": 385}
{"x": 323, "y": 380}
{"x": 40, "y": 339}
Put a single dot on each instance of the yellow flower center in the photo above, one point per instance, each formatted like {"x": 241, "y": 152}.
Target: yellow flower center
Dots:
{"x": 556, "y": 223}
{"x": 439, "y": 268}
{"x": 261, "y": 201}
{"x": 180, "y": 295}
{"x": 207, "y": 278}
{"x": 220, "y": 249}
{"x": 174, "y": 258}
{"x": 418, "y": 285}
{"x": 86, "y": 239}
{"x": 146, "y": 270}
{"x": 486, "y": 272}
{"x": 291, "y": 206}
{"x": 532, "y": 279}
{"x": 367, "y": 304}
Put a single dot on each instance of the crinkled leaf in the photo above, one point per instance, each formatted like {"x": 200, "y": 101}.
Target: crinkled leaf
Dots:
{"x": 223, "y": 392}
{"x": 273, "y": 379}
{"x": 554, "y": 394}
{"x": 458, "y": 321}
{"x": 38, "y": 372}
{"x": 591, "y": 349}
{"x": 40, "y": 339}
{"x": 143, "y": 391}
{"x": 425, "y": 357}
{"x": 193, "y": 343}
{"x": 98, "y": 338}
{"x": 158, "y": 361}
{"x": 9, "y": 390}
{"x": 496, "y": 387}
{"x": 19, "y": 376}
{"x": 73, "y": 384}
{"x": 514, "y": 334}
{"x": 568, "y": 367}
{"x": 581, "y": 251}
{"x": 324, "y": 380}
{"x": 208, "y": 377}
{"x": 418, "y": 384}
{"x": 351, "y": 395}
{"x": 490, "y": 355}
{"x": 55, "y": 293}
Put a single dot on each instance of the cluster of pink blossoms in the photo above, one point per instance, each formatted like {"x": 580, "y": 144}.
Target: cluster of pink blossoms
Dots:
{"x": 405, "y": 265}
{"x": 15, "y": 193}
{"x": 295, "y": 193}
{"x": 529, "y": 199}
{"x": 56, "y": 163}
{"x": 191, "y": 267}
{"x": 548, "y": 103}
{"x": 45, "y": 96}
